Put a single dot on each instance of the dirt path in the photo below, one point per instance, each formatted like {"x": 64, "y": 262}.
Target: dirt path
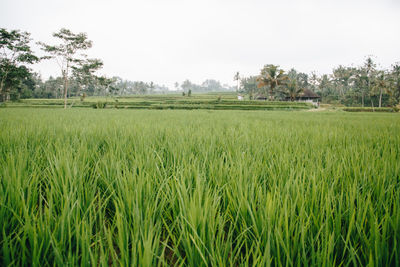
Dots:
{"x": 317, "y": 109}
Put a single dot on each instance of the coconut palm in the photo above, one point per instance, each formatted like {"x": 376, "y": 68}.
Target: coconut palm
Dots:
{"x": 237, "y": 78}
{"x": 292, "y": 88}
{"x": 393, "y": 89}
{"x": 272, "y": 77}
{"x": 380, "y": 85}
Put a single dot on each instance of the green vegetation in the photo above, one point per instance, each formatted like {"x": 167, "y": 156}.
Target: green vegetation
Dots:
{"x": 198, "y": 101}
{"x": 195, "y": 188}
{"x": 364, "y": 86}
{"x": 360, "y": 109}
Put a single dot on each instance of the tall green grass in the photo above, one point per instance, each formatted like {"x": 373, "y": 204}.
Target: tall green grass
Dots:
{"x": 198, "y": 188}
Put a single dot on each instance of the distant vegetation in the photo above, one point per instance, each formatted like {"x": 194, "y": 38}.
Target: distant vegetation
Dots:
{"x": 115, "y": 181}
{"x": 365, "y": 86}
{"x": 218, "y": 101}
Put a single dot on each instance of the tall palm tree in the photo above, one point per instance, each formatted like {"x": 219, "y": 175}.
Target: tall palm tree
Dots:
{"x": 272, "y": 77}
{"x": 369, "y": 67}
{"x": 237, "y": 78}
{"x": 393, "y": 89}
{"x": 292, "y": 88}
{"x": 380, "y": 85}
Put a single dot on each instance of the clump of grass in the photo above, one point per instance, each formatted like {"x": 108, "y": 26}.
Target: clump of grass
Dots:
{"x": 99, "y": 105}
{"x": 222, "y": 188}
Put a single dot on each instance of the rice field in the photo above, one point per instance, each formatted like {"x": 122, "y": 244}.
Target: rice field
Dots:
{"x": 208, "y": 101}
{"x": 127, "y": 187}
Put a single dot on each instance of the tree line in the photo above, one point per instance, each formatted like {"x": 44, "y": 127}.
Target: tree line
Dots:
{"x": 78, "y": 73}
{"x": 365, "y": 85}
{"x": 36, "y": 87}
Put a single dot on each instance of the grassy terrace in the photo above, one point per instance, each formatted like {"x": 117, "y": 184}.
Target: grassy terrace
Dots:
{"x": 196, "y": 188}
{"x": 200, "y": 101}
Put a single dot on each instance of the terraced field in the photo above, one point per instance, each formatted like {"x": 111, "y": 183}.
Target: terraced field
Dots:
{"x": 199, "y": 101}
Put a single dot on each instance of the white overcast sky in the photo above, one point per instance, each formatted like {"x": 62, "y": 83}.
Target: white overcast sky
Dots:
{"x": 171, "y": 40}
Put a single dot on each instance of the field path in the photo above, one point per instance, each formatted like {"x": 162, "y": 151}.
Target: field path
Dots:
{"x": 317, "y": 109}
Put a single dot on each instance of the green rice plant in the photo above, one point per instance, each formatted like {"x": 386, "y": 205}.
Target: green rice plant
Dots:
{"x": 198, "y": 188}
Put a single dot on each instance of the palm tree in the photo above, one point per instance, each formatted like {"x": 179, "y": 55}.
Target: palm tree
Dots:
{"x": 272, "y": 77}
{"x": 393, "y": 89}
{"x": 380, "y": 85}
{"x": 369, "y": 67}
{"x": 237, "y": 78}
{"x": 292, "y": 88}
{"x": 151, "y": 87}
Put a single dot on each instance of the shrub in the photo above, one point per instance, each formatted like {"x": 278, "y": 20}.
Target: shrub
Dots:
{"x": 99, "y": 105}
{"x": 83, "y": 96}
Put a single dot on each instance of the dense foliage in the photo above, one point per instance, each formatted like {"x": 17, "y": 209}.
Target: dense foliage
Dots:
{"x": 352, "y": 86}
{"x": 365, "y": 85}
{"x": 15, "y": 57}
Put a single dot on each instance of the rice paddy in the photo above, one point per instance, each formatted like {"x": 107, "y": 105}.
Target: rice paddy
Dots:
{"x": 208, "y": 101}
{"x": 198, "y": 188}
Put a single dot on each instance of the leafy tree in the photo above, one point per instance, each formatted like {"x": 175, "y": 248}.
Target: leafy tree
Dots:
{"x": 313, "y": 82}
{"x": 249, "y": 85}
{"x": 107, "y": 84}
{"x": 292, "y": 86}
{"x": 151, "y": 87}
{"x": 54, "y": 86}
{"x": 370, "y": 70}
{"x": 84, "y": 72}
{"x": 380, "y": 85}
{"x": 66, "y": 53}
{"x": 186, "y": 85}
{"x": 272, "y": 77}
{"x": 325, "y": 85}
{"x": 342, "y": 76}
{"x": 176, "y": 85}
{"x": 140, "y": 87}
{"x": 361, "y": 83}
{"x": 15, "y": 54}
{"x": 212, "y": 85}
{"x": 394, "y": 84}
{"x": 237, "y": 78}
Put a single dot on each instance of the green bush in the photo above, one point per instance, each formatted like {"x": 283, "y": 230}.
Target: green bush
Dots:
{"x": 99, "y": 105}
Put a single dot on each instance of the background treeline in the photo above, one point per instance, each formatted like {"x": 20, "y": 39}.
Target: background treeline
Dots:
{"x": 365, "y": 85}
{"x": 79, "y": 74}
{"x": 33, "y": 86}
{"x": 36, "y": 87}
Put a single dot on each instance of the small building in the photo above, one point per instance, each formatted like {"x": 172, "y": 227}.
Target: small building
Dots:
{"x": 260, "y": 97}
{"x": 240, "y": 97}
{"x": 307, "y": 96}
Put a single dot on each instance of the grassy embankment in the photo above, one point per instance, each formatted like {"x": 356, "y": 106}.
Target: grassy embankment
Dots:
{"x": 198, "y": 101}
